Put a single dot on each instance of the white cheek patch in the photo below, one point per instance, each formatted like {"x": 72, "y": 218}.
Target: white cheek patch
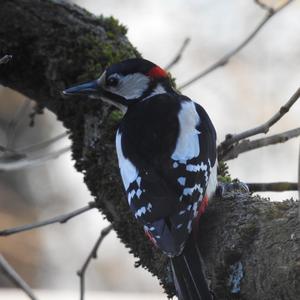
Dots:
{"x": 187, "y": 146}
{"x": 128, "y": 171}
{"x": 131, "y": 86}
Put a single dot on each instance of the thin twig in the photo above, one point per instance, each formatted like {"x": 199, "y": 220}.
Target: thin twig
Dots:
{"x": 299, "y": 173}
{"x": 247, "y": 145}
{"x": 5, "y": 59}
{"x": 230, "y": 139}
{"x": 299, "y": 184}
{"x": 9, "y": 271}
{"x": 224, "y": 60}
{"x": 262, "y": 5}
{"x": 12, "y": 165}
{"x": 264, "y": 128}
{"x": 58, "y": 219}
{"x": 93, "y": 254}
{"x": 273, "y": 186}
{"x": 16, "y": 120}
{"x": 9, "y": 154}
{"x": 178, "y": 56}
{"x": 42, "y": 145}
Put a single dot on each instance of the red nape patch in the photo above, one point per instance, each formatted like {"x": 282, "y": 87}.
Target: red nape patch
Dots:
{"x": 157, "y": 72}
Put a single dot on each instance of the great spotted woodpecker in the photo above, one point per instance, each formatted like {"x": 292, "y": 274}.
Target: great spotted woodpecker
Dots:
{"x": 166, "y": 147}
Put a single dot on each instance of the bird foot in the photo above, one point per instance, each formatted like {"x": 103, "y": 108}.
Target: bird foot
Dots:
{"x": 231, "y": 189}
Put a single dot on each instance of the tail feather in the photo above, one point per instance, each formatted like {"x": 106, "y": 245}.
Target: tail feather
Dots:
{"x": 189, "y": 279}
{"x": 182, "y": 288}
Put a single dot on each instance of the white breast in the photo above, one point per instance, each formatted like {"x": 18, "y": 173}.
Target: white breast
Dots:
{"x": 128, "y": 171}
{"x": 213, "y": 180}
{"x": 187, "y": 145}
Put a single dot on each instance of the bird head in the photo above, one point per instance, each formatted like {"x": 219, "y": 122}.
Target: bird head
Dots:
{"x": 125, "y": 83}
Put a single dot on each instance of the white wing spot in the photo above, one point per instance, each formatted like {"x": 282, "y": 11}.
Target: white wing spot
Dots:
{"x": 138, "y": 181}
{"x": 196, "y": 168}
{"x": 189, "y": 191}
{"x": 195, "y": 209}
{"x": 181, "y": 180}
{"x": 139, "y": 193}
{"x": 141, "y": 211}
{"x": 130, "y": 196}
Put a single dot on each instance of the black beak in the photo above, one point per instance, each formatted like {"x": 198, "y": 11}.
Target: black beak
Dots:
{"x": 93, "y": 90}
{"x": 90, "y": 89}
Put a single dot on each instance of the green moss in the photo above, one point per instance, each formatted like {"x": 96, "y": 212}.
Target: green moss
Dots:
{"x": 223, "y": 171}
{"x": 172, "y": 80}
{"x": 113, "y": 120}
{"x": 112, "y": 26}
{"x": 115, "y": 116}
{"x": 224, "y": 179}
{"x": 100, "y": 52}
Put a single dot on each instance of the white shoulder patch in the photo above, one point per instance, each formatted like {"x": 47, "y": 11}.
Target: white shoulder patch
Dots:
{"x": 128, "y": 171}
{"x": 187, "y": 145}
{"x": 131, "y": 86}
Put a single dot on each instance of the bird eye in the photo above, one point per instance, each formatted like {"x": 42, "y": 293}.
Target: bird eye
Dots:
{"x": 112, "y": 81}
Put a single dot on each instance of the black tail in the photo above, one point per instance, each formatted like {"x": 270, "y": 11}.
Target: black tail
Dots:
{"x": 188, "y": 276}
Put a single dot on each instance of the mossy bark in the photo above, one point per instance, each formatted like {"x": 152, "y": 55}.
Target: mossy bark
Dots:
{"x": 250, "y": 245}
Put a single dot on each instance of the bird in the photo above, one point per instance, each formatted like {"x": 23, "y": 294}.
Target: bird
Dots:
{"x": 166, "y": 149}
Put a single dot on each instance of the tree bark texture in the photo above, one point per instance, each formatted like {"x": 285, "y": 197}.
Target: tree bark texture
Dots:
{"x": 250, "y": 245}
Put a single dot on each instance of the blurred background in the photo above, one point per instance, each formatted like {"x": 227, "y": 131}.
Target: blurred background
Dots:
{"x": 244, "y": 93}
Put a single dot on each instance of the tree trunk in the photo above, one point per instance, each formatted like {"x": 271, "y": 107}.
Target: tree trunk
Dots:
{"x": 250, "y": 245}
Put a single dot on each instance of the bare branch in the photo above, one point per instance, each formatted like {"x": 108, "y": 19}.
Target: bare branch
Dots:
{"x": 93, "y": 254}
{"x": 262, "y": 5}
{"x": 9, "y": 271}
{"x": 42, "y": 145}
{"x": 227, "y": 144}
{"x": 58, "y": 219}
{"x": 299, "y": 183}
{"x": 225, "y": 59}
{"x": 273, "y": 186}
{"x": 264, "y": 128}
{"x": 247, "y": 145}
{"x": 9, "y": 154}
{"x": 178, "y": 56}
{"x": 272, "y": 7}
{"x": 12, "y": 165}
{"x": 13, "y": 124}
{"x": 5, "y": 59}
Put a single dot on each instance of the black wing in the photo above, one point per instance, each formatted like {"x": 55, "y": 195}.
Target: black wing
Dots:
{"x": 166, "y": 148}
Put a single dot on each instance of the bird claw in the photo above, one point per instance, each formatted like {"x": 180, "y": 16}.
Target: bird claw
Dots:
{"x": 230, "y": 189}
